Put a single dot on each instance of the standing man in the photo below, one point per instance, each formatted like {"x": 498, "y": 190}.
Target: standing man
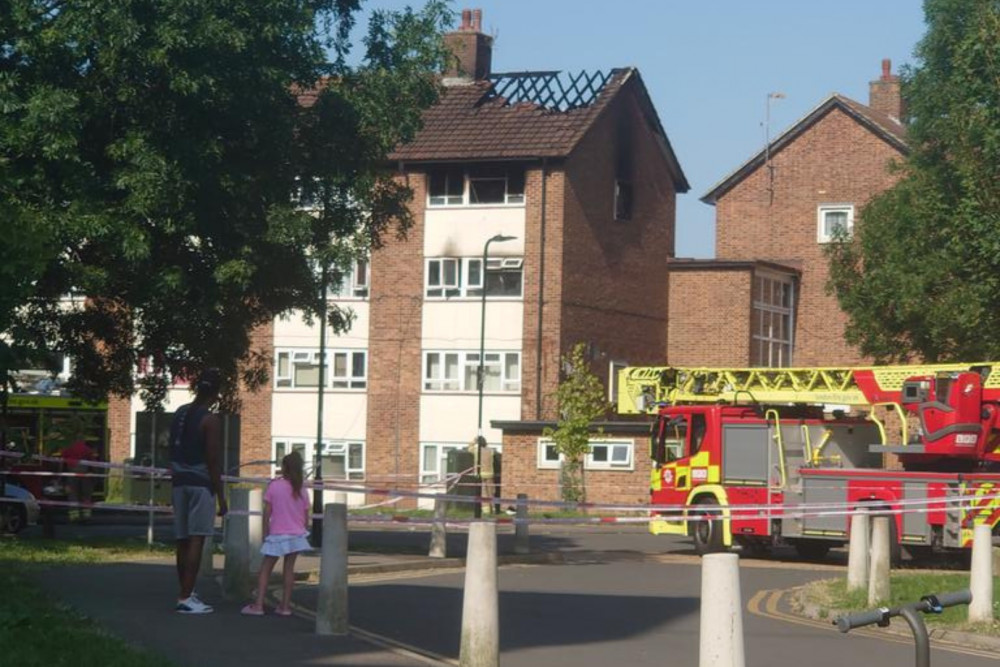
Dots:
{"x": 196, "y": 466}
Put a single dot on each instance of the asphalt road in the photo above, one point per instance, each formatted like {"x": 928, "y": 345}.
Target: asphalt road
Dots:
{"x": 629, "y": 613}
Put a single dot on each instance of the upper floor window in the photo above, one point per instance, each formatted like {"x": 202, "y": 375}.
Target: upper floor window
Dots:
{"x": 623, "y": 199}
{"x": 478, "y": 185}
{"x": 299, "y": 369}
{"x": 771, "y": 321}
{"x": 458, "y": 371}
{"x": 834, "y": 217}
{"x": 614, "y": 369}
{"x": 448, "y": 277}
{"x": 354, "y": 283}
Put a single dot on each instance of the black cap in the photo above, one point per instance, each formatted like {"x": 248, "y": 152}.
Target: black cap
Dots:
{"x": 209, "y": 381}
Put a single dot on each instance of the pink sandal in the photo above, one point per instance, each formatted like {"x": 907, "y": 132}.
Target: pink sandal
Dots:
{"x": 283, "y": 612}
{"x": 252, "y": 610}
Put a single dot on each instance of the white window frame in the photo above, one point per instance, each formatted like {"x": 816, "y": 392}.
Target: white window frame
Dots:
{"x": 356, "y": 282}
{"x": 332, "y": 447}
{"x": 452, "y": 201}
{"x": 614, "y": 367}
{"x": 769, "y": 311}
{"x": 468, "y": 364}
{"x": 463, "y": 287}
{"x": 437, "y": 476}
{"x": 624, "y": 445}
{"x": 352, "y": 381}
{"x": 822, "y": 236}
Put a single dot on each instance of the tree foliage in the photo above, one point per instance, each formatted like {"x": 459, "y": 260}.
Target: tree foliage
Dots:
{"x": 921, "y": 275}
{"x": 582, "y": 400}
{"x": 152, "y": 154}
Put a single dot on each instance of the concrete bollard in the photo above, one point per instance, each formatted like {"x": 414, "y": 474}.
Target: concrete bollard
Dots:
{"x": 236, "y": 572}
{"x": 331, "y": 607}
{"x": 206, "y": 570}
{"x": 522, "y": 544}
{"x": 256, "y": 529}
{"x": 721, "y": 637}
{"x": 439, "y": 533}
{"x": 981, "y": 576}
{"x": 857, "y": 555}
{"x": 480, "y": 644}
{"x": 878, "y": 583}
{"x": 340, "y": 498}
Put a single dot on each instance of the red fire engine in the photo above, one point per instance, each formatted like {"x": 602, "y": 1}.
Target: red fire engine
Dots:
{"x": 790, "y": 442}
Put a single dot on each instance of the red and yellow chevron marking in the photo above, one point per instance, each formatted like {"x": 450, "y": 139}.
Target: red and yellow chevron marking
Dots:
{"x": 985, "y": 508}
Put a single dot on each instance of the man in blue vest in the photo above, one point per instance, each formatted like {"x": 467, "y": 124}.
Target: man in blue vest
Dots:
{"x": 196, "y": 467}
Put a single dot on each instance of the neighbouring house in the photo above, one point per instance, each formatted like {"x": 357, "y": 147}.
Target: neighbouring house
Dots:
{"x": 763, "y": 300}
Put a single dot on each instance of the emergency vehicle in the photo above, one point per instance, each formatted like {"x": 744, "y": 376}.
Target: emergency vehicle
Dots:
{"x": 787, "y": 442}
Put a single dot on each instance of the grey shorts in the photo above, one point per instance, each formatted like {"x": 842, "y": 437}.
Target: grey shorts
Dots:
{"x": 194, "y": 511}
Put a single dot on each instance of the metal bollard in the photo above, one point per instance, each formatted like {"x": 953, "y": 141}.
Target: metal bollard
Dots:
{"x": 857, "y": 556}
{"x": 331, "y": 607}
{"x": 878, "y": 583}
{"x": 236, "y": 572}
{"x": 981, "y": 576}
{"x": 721, "y": 635}
{"x": 522, "y": 544}
{"x": 439, "y": 532}
{"x": 480, "y": 643}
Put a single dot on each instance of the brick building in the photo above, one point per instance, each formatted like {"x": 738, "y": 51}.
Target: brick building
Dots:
{"x": 763, "y": 301}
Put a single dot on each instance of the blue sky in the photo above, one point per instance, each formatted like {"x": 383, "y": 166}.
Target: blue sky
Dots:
{"x": 709, "y": 65}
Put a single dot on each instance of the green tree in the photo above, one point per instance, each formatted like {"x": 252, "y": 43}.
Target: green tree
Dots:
{"x": 921, "y": 275}
{"x": 582, "y": 400}
{"x": 162, "y": 148}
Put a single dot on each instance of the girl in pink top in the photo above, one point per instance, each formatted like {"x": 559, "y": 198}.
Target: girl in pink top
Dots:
{"x": 286, "y": 514}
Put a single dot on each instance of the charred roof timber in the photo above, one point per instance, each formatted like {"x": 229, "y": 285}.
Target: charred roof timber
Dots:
{"x": 553, "y": 91}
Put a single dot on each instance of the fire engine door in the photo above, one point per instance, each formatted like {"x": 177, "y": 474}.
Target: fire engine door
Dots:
{"x": 679, "y": 439}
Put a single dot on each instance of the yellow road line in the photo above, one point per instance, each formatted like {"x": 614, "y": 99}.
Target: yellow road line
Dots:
{"x": 771, "y": 598}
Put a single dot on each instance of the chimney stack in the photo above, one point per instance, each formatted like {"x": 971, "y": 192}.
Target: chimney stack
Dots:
{"x": 884, "y": 94}
{"x": 472, "y": 50}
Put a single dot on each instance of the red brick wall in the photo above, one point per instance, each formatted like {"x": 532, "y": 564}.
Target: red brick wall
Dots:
{"x": 120, "y": 427}
{"x": 709, "y": 318}
{"x": 394, "y": 382}
{"x": 255, "y": 411}
{"x": 522, "y": 475}
{"x": 615, "y": 272}
{"x": 836, "y": 161}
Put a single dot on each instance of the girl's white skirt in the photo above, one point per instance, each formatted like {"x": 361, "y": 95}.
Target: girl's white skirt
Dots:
{"x": 282, "y": 545}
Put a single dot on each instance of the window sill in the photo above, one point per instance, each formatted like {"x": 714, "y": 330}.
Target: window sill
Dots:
{"x": 315, "y": 390}
{"x": 473, "y": 299}
{"x": 473, "y": 206}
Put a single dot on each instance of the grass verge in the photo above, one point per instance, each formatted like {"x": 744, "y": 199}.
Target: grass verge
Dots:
{"x": 37, "y": 630}
{"x": 831, "y": 598}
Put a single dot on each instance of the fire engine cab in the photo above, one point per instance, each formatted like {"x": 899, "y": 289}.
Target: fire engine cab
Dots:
{"x": 783, "y": 456}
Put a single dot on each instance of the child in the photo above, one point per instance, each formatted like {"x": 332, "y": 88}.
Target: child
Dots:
{"x": 286, "y": 515}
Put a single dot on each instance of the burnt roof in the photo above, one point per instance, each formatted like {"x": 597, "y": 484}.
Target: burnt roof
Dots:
{"x": 881, "y": 124}
{"x": 525, "y": 115}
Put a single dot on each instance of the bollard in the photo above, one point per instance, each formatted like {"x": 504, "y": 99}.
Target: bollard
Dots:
{"x": 236, "y": 571}
{"x": 439, "y": 533}
{"x": 981, "y": 576}
{"x": 340, "y": 498}
{"x": 256, "y": 529}
{"x": 480, "y": 644}
{"x": 857, "y": 556}
{"x": 207, "y": 568}
{"x": 521, "y": 542}
{"x": 331, "y": 607}
{"x": 721, "y": 638}
{"x": 878, "y": 582}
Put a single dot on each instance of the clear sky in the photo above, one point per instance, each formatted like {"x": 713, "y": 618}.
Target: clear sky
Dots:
{"x": 709, "y": 65}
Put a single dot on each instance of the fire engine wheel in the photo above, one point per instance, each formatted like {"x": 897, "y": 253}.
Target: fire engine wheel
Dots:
{"x": 13, "y": 520}
{"x": 813, "y": 549}
{"x": 707, "y": 534}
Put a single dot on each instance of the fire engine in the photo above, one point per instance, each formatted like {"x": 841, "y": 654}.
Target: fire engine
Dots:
{"x": 906, "y": 440}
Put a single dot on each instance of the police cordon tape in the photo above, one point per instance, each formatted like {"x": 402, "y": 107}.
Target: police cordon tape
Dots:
{"x": 971, "y": 499}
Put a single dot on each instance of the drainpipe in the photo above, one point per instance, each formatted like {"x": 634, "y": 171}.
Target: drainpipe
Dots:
{"x": 541, "y": 300}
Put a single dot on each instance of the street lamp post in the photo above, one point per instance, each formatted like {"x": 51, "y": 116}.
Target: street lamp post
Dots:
{"x": 317, "y": 509}
{"x": 477, "y": 507}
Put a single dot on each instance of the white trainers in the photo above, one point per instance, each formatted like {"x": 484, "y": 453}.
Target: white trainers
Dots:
{"x": 193, "y": 605}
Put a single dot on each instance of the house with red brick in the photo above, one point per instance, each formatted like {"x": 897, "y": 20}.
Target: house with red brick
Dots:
{"x": 763, "y": 300}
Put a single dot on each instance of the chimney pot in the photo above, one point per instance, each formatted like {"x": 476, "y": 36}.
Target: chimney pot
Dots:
{"x": 886, "y": 69}
{"x": 477, "y": 20}
{"x": 466, "y": 20}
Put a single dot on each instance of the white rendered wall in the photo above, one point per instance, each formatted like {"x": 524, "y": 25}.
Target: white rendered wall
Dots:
{"x": 463, "y": 231}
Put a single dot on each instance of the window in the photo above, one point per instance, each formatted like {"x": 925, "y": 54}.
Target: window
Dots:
{"x": 832, "y": 218}
{"x": 458, "y": 371}
{"x": 451, "y": 277}
{"x": 354, "y": 283}
{"x": 771, "y": 321}
{"x": 434, "y": 461}
{"x": 342, "y": 459}
{"x": 299, "y": 369}
{"x": 482, "y": 185}
{"x": 614, "y": 368}
{"x": 603, "y": 455}
{"x": 623, "y": 199}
